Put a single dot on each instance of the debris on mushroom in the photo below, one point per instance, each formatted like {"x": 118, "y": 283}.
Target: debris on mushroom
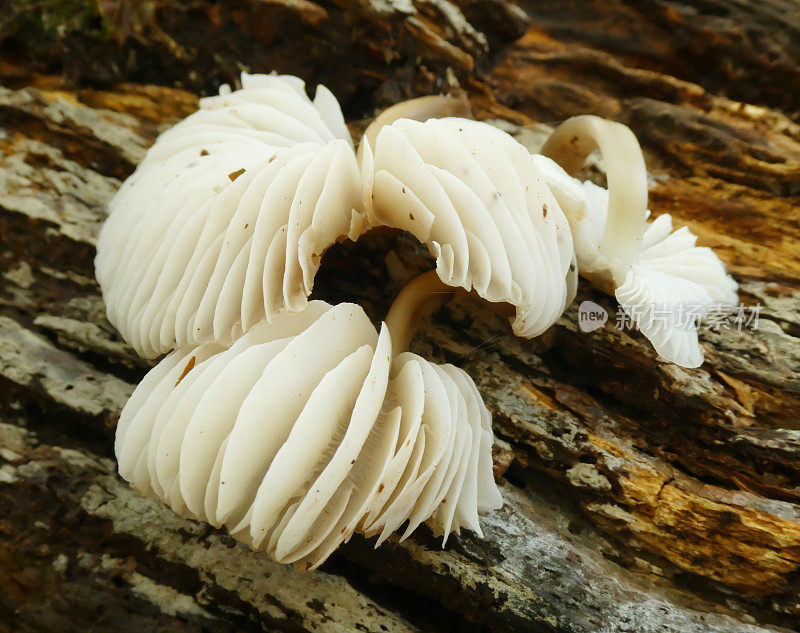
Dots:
{"x": 471, "y": 194}
{"x": 224, "y": 222}
{"x": 310, "y": 428}
{"x": 420, "y": 109}
{"x": 656, "y": 275}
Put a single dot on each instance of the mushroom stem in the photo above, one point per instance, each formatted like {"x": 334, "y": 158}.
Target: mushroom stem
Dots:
{"x": 420, "y": 109}
{"x": 421, "y": 296}
{"x": 570, "y": 145}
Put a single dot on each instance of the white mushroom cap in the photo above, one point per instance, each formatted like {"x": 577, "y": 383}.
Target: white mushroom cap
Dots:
{"x": 471, "y": 194}
{"x": 225, "y": 220}
{"x": 671, "y": 276}
{"x": 659, "y": 277}
{"x": 306, "y": 430}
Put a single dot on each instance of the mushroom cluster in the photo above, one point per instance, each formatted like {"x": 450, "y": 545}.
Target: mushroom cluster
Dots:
{"x": 293, "y": 423}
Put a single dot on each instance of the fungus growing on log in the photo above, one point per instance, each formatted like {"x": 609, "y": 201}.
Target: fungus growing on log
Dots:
{"x": 659, "y": 277}
{"x": 473, "y": 196}
{"x": 225, "y": 220}
{"x": 183, "y": 260}
{"x": 296, "y": 424}
{"x": 310, "y": 428}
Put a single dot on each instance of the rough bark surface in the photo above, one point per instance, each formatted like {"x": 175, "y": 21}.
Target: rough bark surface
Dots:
{"x": 639, "y": 496}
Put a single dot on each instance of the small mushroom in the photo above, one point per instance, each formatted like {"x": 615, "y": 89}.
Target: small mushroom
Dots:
{"x": 659, "y": 277}
{"x": 473, "y": 196}
{"x": 225, "y": 220}
{"x": 310, "y": 428}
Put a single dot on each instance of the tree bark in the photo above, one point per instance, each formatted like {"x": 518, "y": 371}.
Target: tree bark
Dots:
{"x": 640, "y": 496}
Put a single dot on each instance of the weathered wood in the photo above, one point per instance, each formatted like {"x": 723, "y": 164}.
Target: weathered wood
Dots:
{"x": 640, "y": 496}
{"x": 369, "y": 52}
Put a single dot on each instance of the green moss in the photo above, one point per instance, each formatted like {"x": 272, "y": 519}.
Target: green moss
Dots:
{"x": 43, "y": 25}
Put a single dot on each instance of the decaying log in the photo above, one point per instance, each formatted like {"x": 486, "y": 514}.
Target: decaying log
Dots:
{"x": 640, "y": 496}
{"x": 369, "y": 52}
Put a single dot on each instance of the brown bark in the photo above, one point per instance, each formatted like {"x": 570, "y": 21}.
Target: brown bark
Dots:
{"x": 639, "y": 496}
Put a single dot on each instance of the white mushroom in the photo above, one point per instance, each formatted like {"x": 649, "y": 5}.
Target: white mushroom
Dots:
{"x": 471, "y": 194}
{"x": 308, "y": 429}
{"x": 659, "y": 277}
{"x": 225, "y": 220}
